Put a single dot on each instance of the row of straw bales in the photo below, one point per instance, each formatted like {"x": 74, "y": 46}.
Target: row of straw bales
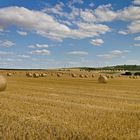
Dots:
{"x": 133, "y": 77}
{"x": 3, "y": 81}
{"x": 9, "y": 74}
{"x": 101, "y": 78}
{"x": 36, "y": 75}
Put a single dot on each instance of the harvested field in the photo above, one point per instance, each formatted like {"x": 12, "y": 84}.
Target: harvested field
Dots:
{"x": 66, "y": 108}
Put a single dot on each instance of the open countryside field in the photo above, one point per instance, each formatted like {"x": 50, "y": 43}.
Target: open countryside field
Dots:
{"x": 69, "y": 108}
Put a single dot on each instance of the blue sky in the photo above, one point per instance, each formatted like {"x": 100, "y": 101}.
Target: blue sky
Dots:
{"x": 62, "y": 33}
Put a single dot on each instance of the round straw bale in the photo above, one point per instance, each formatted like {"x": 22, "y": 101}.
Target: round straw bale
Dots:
{"x": 29, "y": 74}
{"x": 58, "y": 75}
{"x": 35, "y": 75}
{"x": 134, "y": 77}
{"x": 107, "y": 76}
{"x": 73, "y": 75}
{"x": 9, "y": 74}
{"x": 44, "y": 75}
{"x": 112, "y": 76}
{"x": 86, "y": 76}
{"x": 3, "y": 83}
{"x": 82, "y": 76}
{"x": 102, "y": 79}
{"x": 14, "y": 73}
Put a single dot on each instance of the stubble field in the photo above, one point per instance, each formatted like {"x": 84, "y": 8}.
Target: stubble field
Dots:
{"x": 67, "y": 108}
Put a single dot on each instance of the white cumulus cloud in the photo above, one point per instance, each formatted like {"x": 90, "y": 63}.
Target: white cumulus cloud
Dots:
{"x": 136, "y": 2}
{"x": 105, "y": 13}
{"x": 78, "y": 53}
{"x": 87, "y": 15}
{"x": 137, "y": 45}
{"x": 22, "y": 33}
{"x": 137, "y": 38}
{"x": 46, "y": 25}
{"x": 97, "y": 42}
{"x": 134, "y": 27}
{"x": 77, "y": 1}
{"x": 41, "y": 52}
{"x": 123, "y": 32}
{"x": 39, "y": 46}
{"x": 113, "y": 54}
{"x": 6, "y": 43}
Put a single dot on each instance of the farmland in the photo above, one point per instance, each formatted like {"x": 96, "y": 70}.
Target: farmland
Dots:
{"x": 68, "y": 108}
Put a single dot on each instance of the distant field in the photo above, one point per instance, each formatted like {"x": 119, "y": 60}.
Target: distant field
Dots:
{"x": 66, "y": 108}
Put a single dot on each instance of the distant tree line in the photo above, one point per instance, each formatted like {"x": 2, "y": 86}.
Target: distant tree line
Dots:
{"x": 113, "y": 68}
